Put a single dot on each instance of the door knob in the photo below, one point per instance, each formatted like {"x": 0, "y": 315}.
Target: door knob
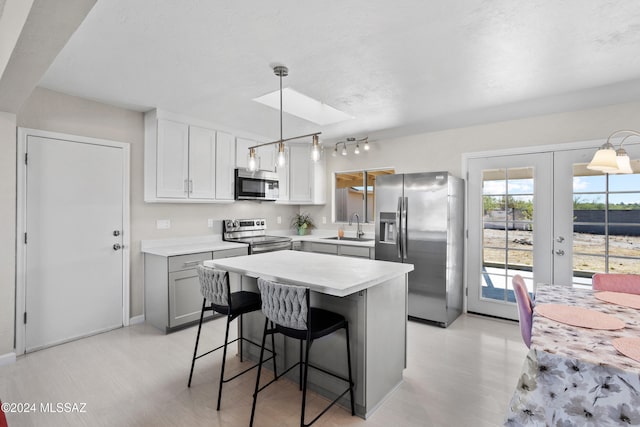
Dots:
{"x": 117, "y": 246}
{"x": 560, "y": 252}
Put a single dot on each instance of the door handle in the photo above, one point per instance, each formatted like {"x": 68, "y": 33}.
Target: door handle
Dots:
{"x": 405, "y": 228}
{"x": 399, "y": 228}
{"x": 117, "y": 246}
{"x": 116, "y": 233}
{"x": 560, "y": 239}
{"x": 560, "y": 252}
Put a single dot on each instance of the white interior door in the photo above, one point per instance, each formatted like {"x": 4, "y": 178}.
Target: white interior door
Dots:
{"x": 73, "y": 271}
{"x": 510, "y": 228}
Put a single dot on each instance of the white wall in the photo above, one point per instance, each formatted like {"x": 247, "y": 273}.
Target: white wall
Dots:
{"x": 7, "y": 229}
{"x": 442, "y": 151}
{"x": 53, "y": 111}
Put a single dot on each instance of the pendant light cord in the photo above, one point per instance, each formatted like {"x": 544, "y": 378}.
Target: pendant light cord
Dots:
{"x": 280, "y": 106}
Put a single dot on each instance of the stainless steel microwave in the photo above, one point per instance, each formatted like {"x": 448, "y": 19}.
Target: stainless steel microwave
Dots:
{"x": 258, "y": 185}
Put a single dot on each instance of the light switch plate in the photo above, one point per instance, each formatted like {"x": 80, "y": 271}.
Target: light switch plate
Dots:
{"x": 163, "y": 224}
{"x": 210, "y": 223}
{"x": 324, "y": 219}
{"x": 279, "y": 219}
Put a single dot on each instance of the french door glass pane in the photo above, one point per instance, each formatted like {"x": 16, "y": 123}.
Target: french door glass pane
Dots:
{"x": 507, "y": 230}
{"x": 606, "y": 223}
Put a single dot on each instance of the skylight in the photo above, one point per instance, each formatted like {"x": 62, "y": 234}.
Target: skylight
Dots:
{"x": 302, "y": 106}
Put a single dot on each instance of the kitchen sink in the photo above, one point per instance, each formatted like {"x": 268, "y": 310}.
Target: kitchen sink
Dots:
{"x": 350, "y": 239}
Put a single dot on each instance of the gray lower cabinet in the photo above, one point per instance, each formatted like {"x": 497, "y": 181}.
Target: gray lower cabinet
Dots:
{"x": 337, "y": 249}
{"x": 172, "y": 287}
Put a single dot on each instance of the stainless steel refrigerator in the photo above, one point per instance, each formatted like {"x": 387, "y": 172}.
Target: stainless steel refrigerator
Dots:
{"x": 419, "y": 220}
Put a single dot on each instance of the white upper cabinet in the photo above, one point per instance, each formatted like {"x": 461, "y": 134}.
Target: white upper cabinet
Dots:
{"x": 202, "y": 163}
{"x": 242, "y": 152}
{"x": 300, "y": 173}
{"x": 173, "y": 159}
{"x": 283, "y": 177}
{"x": 225, "y": 163}
{"x": 185, "y": 163}
{"x": 305, "y": 179}
{"x": 265, "y": 156}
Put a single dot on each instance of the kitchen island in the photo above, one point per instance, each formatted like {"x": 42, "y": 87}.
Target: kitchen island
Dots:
{"x": 372, "y": 295}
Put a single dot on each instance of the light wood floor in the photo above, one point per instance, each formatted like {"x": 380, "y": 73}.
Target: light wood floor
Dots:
{"x": 460, "y": 376}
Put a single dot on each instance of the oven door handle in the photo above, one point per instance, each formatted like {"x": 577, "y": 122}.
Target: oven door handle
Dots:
{"x": 270, "y": 247}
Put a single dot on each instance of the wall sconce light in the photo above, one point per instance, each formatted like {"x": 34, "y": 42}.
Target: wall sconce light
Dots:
{"x": 351, "y": 140}
{"x": 609, "y": 160}
{"x": 282, "y": 71}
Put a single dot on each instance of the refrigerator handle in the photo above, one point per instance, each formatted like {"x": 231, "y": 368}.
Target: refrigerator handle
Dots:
{"x": 405, "y": 208}
{"x": 399, "y": 228}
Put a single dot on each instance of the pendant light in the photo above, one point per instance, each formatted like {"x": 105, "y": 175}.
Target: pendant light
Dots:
{"x": 282, "y": 71}
{"x": 609, "y": 160}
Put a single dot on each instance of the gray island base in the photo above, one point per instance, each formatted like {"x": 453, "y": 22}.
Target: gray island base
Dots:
{"x": 372, "y": 295}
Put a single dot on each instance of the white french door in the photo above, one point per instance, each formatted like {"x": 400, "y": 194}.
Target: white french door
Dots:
{"x": 548, "y": 218}
{"x": 596, "y": 218}
{"x": 510, "y": 228}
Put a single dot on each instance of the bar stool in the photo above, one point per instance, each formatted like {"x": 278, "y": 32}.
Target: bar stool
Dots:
{"x": 287, "y": 307}
{"x": 215, "y": 288}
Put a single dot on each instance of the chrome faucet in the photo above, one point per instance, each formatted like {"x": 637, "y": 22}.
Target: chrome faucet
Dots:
{"x": 359, "y": 232}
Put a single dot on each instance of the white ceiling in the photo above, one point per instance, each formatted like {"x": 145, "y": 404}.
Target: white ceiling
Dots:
{"x": 398, "y": 67}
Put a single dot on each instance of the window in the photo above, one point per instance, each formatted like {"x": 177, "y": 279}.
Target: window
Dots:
{"x": 355, "y": 192}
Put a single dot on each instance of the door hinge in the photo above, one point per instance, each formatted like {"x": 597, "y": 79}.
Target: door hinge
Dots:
{"x": 466, "y": 292}
{"x": 25, "y": 317}
{"x": 467, "y": 233}
{"x": 26, "y": 158}
{"x": 25, "y": 238}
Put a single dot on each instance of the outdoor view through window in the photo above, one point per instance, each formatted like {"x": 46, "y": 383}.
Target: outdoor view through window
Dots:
{"x": 606, "y": 226}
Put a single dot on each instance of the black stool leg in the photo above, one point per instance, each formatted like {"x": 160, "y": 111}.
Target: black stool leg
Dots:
{"x": 304, "y": 386}
{"x": 195, "y": 350}
{"x": 241, "y": 339}
{"x": 301, "y": 365}
{"x": 224, "y": 359}
{"x": 273, "y": 352}
{"x": 255, "y": 393}
{"x": 353, "y": 410}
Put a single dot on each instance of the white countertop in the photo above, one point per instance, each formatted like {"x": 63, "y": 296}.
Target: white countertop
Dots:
{"x": 329, "y": 274}
{"x": 214, "y": 242}
{"x": 187, "y": 245}
{"x": 323, "y": 236}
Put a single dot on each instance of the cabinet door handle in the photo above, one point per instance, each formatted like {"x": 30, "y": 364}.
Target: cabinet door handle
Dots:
{"x": 186, "y": 186}
{"x": 190, "y": 186}
{"x": 190, "y": 263}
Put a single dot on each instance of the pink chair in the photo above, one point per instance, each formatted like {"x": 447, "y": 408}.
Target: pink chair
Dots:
{"x": 525, "y": 308}
{"x": 627, "y": 283}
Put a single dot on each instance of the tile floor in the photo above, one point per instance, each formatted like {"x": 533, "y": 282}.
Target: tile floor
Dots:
{"x": 460, "y": 376}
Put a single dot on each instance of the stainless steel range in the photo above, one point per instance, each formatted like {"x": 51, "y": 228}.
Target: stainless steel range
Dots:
{"x": 254, "y": 233}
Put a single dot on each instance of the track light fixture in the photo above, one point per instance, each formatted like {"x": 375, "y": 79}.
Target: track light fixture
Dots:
{"x": 351, "y": 140}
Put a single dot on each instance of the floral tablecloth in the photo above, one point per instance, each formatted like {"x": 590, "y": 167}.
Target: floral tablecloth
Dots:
{"x": 574, "y": 376}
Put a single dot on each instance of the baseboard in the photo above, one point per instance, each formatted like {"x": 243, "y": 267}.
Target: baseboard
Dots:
{"x": 136, "y": 319}
{"x": 7, "y": 359}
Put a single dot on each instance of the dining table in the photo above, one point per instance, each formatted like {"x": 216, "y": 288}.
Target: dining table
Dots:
{"x": 572, "y": 375}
